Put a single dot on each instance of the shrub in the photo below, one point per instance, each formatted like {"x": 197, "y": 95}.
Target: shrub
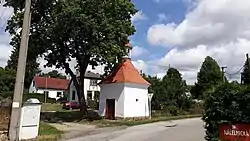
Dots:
{"x": 229, "y": 103}
{"x": 93, "y": 104}
{"x": 172, "y": 110}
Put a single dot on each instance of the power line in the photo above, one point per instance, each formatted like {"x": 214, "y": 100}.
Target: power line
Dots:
{"x": 237, "y": 72}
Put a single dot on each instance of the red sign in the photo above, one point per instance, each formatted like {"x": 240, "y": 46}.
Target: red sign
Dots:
{"x": 236, "y": 132}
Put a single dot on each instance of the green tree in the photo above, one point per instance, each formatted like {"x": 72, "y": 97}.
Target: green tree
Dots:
{"x": 54, "y": 74}
{"x": 228, "y": 103}
{"x": 93, "y": 32}
{"x": 208, "y": 77}
{"x": 32, "y": 67}
{"x": 154, "y": 88}
{"x": 7, "y": 80}
{"x": 246, "y": 72}
{"x": 175, "y": 89}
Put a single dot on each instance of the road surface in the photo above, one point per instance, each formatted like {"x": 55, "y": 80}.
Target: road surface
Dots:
{"x": 185, "y": 130}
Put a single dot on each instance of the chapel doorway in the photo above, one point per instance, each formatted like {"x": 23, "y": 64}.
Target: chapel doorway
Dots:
{"x": 110, "y": 109}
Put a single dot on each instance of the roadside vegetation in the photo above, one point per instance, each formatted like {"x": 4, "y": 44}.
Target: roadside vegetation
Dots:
{"x": 48, "y": 132}
{"x": 227, "y": 103}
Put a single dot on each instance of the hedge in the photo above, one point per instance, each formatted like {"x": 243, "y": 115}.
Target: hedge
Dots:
{"x": 229, "y": 103}
{"x": 26, "y": 96}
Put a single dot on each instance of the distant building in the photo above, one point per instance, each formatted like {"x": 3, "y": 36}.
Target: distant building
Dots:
{"x": 124, "y": 93}
{"x": 54, "y": 87}
{"x": 91, "y": 88}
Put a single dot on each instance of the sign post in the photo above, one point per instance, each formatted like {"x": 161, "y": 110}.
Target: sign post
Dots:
{"x": 239, "y": 132}
{"x": 150, "y": 95}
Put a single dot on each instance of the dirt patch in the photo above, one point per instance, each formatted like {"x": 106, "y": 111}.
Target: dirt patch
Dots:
{"x": 71, "y": 126}
{"x": 73, "y": 130}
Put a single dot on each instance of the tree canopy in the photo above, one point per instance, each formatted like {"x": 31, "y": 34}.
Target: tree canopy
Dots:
{"x": 208, "y": 77}
{"x": 169, "y": 92}
{"x": 54, "y": 74}
{"x": 93, "y": 32}
{"x": 7, "y": 80}
{"x": 32, "y": 67}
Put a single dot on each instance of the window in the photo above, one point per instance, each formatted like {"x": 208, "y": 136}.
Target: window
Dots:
{"x": 33, "y": 83}
{"x": 89, "y": 95}
{"x": 93, "y": 82}
{"x": 59, "y": 94}
{"x": 97, "y": 95}
{"x": 73, "y": 95}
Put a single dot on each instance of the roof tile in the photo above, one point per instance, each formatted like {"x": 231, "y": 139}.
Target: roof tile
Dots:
{"x": 126, "y": 72}
{"x": 51, "y": 83}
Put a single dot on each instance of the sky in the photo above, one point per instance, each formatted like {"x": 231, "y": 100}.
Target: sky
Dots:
{"x": 180, "y": 34}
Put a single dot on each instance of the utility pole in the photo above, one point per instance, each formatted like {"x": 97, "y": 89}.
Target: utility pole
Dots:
{"x": 223, "y": 73}
{"x": 14, "y": 127}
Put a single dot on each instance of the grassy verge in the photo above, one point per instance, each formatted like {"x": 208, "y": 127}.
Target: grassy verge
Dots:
{"x": 48, "y": 133}
{"x": 51, "y": 107}
{"x": 108, "y": 123}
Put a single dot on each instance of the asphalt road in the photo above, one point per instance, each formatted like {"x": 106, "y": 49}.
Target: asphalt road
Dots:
{"x": 180, "y": 130}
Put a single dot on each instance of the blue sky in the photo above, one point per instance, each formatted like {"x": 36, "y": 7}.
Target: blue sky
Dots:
{"x": 155, "y": 13}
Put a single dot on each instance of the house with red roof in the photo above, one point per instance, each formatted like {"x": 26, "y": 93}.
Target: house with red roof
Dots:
{"x": 91, "y": 87}
{"x": 54, "y": 87}
{"x": 124, "y": 93}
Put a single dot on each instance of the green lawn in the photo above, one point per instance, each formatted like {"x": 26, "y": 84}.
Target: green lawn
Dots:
{"x": 48, "y": 132}
{"x": 51, "y": 107}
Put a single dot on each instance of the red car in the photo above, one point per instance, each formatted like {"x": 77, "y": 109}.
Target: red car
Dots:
{"x": 71, "y": 105}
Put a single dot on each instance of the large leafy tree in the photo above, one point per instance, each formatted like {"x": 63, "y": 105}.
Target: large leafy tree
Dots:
{"x": 93, "y": 32}
{"x": 175, "y": 89}
{"x": 246, "y": 72}
{"x": 208, "y": 77}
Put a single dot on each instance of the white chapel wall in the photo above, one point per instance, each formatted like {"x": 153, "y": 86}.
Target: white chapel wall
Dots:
{"x": 136, "y": 100}
{"x": 112, "y": 91}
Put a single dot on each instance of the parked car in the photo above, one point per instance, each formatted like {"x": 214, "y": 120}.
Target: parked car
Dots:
{"x": 71, "y": 105}
{"x": 62, "y": 100}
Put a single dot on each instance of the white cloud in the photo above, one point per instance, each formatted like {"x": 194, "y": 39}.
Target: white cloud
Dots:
{"x": 138, "y": 51}
{"x": 210, "y": 23}
{"x": 139, "y": 16}
{"x": 98, "y": 69}
{"x": 5, "y": 48}
{"x": 220, "y": 29}
{"x": 5, "y": 13}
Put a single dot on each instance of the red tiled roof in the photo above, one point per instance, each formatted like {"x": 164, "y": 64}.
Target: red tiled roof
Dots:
{"x": 126, "y": 72}
{"x": 51, "y": 83}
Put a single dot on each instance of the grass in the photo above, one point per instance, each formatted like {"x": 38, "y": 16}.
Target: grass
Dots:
{"x": 51, "y": 107}
{"x": 48, "y": 132}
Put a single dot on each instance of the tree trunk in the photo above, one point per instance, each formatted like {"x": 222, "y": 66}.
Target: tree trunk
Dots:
{"x": 81, "y": 96}
{"x": 81, "y": 99}
{"x": 79, "y": 85}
